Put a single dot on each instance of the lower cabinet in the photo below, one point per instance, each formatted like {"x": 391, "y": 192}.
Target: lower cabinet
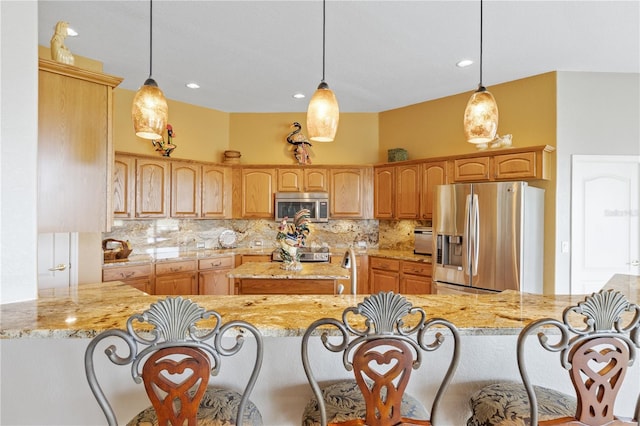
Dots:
{"x": 138, "y": 276}
{"x": 362, "y": 270}
{"x": 399, "y": 276}
{"x": 176, "y": 278}
{"x": 212, "y": 275}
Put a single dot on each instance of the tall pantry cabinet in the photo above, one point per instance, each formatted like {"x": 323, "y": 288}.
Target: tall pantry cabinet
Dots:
{"x": 75, "y": 150}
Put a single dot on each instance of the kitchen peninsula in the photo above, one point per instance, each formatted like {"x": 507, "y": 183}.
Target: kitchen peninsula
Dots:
{"x": 44, "y": 341}
{"x": 270, "y": 278}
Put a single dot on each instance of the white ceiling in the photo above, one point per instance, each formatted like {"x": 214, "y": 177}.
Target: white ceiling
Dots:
{"x": 251, "y": 56}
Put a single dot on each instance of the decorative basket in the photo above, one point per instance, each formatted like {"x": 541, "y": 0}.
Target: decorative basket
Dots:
{"x": 397, "y": 154}
{"x": 114, "y": 253}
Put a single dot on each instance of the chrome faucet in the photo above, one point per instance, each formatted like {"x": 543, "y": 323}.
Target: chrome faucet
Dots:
{"x": 349, "y": 262}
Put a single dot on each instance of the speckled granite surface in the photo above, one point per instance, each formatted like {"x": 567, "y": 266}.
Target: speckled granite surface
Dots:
{"x": 92, "y": 308}
{"x": 272, "y": 270}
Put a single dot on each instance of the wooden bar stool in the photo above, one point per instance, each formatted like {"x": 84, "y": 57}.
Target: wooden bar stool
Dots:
{"x": 596, "y": 356}
{"x": 381, "y": 340}
{"x": 175, "y": 359}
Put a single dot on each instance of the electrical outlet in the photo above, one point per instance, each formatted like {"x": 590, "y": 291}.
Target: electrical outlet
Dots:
{"x": 564, "y": 247}
{"x": 200, "y": 245}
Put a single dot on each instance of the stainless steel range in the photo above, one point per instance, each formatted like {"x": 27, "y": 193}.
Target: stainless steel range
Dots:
{"x": 307, "y": 254}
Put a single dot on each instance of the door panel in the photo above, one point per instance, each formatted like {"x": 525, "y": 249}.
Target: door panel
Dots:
{"x": 54, "y": 260}
{"x": 604, "y": 220}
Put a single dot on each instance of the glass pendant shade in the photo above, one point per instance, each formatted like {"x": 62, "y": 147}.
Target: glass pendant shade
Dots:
{"x": 323, "y": 115}
{"x": 481, "y": 117}
{"x": 149, "y": 111}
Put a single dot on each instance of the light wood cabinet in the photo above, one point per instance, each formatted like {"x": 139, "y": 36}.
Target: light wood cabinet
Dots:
{"x": 399, "y": 276}
{"x": 302, "y": 180}
{"x": 152, "y": 188}
{"x": 383, "y": 195}
{"x": 138, "y": 276}
{"x": 216, "y": 192}
{"x": 75, "y": 149}
{"x": 176, "y": 278}
{"x": 185, "y": 190}
{"x": 407, "y": 192}
{"x": 384, "y": 274}
{"x": 475, "y": 169}
{"x": 350, "y": 193}
{"x": 212, "y": 275}
{"x": 124, "y": 187}
{"x": 415, "y": 277}
{"x": 433, "y": 173}
{"x": 257, "y": 189}
{"x": 524, "y": 165}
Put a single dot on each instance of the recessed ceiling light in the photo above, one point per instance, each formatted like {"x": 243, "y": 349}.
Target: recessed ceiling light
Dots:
{"x": 298, "y": 95}
{"x": 464, "y": 63}
{"x": 71, "y": 32}
{"x": 193, "y": 85}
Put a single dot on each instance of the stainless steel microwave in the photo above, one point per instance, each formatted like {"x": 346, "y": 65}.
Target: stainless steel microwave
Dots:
{"x": 289, "y": 203}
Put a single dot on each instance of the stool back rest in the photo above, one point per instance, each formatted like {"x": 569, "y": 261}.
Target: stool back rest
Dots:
{"x": 384, "y": 327}
{"x": 596, "y": 356}
{"x": 168, "y": 328}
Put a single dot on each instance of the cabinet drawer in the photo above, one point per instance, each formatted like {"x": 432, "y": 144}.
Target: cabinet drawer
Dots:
{"x": 173, "y": 267}
{"x": 416, "y": 268}
{"x": 216, "y": 263}
{"x": 126, "y": 272}
{"x": 386, "y": 264}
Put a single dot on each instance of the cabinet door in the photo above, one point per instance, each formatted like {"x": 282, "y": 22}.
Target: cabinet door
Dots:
{"x": 258, "y": 187}
{"x": 347, "y": 193}
{"x": 185, "y": 190}
{"x": 415, "y": 284}
{"x": 433, "y": 174}
{"x": 290, "y": 180}
{"x": 380, "y": 280}
{"x": 383, "y": 199}
{"x": 471, "y": 169}
{"x": 407, "y": 192}
{"x": 315, "y": 180}
{"x": 216, "y": 192}
{"x": 152, "y": 188}
{"x": 176, "y": 284}
{"x": 517, "y": 166}
{"x": 124, "y": 186}
{"x": 75, "y": 155}
{"x": 214, "y": 282}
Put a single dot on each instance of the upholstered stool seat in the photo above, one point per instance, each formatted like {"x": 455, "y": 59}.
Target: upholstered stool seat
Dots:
{"x": 217, "y": 408}
{"x": 344, "y": 401}
{"x": 506, "y": 404}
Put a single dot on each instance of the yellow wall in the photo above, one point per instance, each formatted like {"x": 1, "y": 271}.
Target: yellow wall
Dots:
{"x": 199, "y": 133}
{"x": 261, "y": 138}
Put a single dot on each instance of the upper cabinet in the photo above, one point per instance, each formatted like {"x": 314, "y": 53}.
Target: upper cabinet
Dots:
{"x": 350, "y": 192}
{"x": 471, "y": 169}
{"x": 257, "y": 188}
{"x": 434, "y": 173}
{"x": 75, "y": 150}
{"x": 302, "y": 180}
{"x": 383, "y": 199}
{"x": 145, "y": 187}
{"x": 408, "y": 191}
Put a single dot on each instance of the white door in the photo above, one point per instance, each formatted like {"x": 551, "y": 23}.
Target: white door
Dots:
{"x": 604, "y": 220}
{"x": 54, "y": 260}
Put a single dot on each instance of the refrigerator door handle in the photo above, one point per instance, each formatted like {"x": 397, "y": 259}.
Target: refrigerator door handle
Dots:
{"x": 476, "y": 235}
{"x": 466, "y": 259}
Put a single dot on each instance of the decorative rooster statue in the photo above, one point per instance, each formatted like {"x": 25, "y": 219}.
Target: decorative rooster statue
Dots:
{"x": 300, "y": 141}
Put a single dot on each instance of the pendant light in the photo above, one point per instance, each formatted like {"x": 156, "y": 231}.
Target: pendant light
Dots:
{"x": 323, "y": 112}
{"x": 150, "y": 111}
{"x": 481, "y": 114}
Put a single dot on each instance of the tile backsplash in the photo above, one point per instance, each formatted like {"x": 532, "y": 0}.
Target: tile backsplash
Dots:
{"x": 149, "y": 235}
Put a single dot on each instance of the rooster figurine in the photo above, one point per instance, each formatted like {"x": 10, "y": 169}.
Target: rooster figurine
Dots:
{"x": 300, "y": 141}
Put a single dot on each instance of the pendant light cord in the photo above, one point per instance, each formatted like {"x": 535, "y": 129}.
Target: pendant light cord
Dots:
{"x": 150, "y": 37}
{"x": 481, "y": 43}
{"x": 323, "y": 34}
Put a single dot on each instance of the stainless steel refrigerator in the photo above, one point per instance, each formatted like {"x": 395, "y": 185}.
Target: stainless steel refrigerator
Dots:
{"x": 488, "y": 237}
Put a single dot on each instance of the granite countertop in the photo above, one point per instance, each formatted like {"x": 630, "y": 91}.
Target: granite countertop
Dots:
{"x": 91, "y": 308}
{"x": 175, "y": 255}
{"x": 272, "y": 270}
